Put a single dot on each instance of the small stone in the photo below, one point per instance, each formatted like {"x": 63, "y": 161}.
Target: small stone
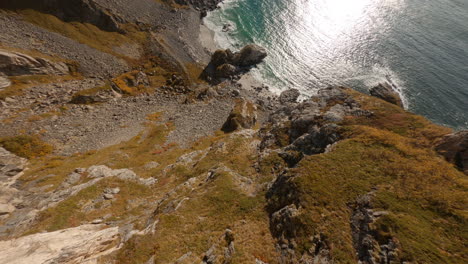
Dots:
{"x": 80, "y": 170}
{"x": 112, "y": 190}
{"x": 108, "y": 196}
{"x": 97, "y": 221}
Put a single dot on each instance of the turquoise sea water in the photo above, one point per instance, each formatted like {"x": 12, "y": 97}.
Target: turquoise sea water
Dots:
{"x": 420, "y": 45}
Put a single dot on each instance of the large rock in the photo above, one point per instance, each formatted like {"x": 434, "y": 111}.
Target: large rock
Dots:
{"x": 225, "y": 63}
{"x": 250, "y": 55}
{"x": 243, "y": 115}
{"x": 289, "y": 96}
{"x": 14, "y": 63}
{"x": 82, "y": 244}
{"x": 454, "y": 148}
{"x": 385, "y": 92}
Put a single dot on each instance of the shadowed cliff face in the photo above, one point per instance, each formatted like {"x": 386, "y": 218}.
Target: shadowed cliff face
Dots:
{"x": 84, "y": 11}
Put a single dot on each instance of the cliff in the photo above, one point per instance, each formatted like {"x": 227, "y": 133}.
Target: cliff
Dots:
{"x": 124, "y": 140}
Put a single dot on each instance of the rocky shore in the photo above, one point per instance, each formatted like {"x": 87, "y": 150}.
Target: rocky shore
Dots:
{"x": 127, "y": 136}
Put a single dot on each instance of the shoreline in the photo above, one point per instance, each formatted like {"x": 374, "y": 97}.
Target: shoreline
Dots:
{"x": 207, "y": 40}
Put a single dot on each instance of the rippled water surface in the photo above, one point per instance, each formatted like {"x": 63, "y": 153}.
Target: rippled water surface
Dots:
{"x": 420, "y": 45}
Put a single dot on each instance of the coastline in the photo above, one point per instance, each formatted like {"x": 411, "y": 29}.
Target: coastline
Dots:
{"x": 208, "y": 42}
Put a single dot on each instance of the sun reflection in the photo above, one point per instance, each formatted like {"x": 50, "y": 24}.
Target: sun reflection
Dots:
{"x": 336, "y": 17}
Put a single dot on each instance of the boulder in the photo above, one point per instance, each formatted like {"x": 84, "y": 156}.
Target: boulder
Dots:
{"x": 385, "y": 92}
{"x": 289, "y": 96}
{"x": 15, "y": 63}
{"x": 226, "y": 71}
{"x": 243, "y": 115}
{"x": 454, "y": 148}
{"x": 250, "y": 55}
{"x": 221, "y": 57}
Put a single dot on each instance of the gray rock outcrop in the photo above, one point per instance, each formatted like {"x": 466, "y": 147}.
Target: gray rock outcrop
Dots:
{"x": 15, "y": 63}
{"x": 243, "y": 115}
{"x": 82, "y": 244}
{"x": 454, "y": 148}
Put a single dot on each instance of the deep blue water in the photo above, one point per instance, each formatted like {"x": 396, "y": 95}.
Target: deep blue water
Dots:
{"x": 420, "y": 45}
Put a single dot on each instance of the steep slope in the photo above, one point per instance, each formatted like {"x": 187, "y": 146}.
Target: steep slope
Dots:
{"x": 115, "y": 148}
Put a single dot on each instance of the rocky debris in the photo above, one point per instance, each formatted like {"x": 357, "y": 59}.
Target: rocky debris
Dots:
{"x": 243, "y": 115}
{"x": 4, "y": 82}
{"x": 386, "y": 92}
{"x": 17, "y": 33}
{"x": 15, "y": 63}
{"x": 82, "y": 244}
{"x": 227, "y": 64}
{"x": 454, "y": 148}
{"x": 289, "y": 96}
{"x": 365, "y": 240}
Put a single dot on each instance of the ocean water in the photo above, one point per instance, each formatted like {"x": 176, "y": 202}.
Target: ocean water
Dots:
{"x": 419, "y": 45}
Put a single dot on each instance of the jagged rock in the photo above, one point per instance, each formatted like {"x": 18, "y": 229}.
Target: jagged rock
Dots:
{"x": 289, "y": 96}
{"x": 4, "y": 82}
{"x": 221, "y": 57}
{"x": 454, "y": 148}
{"x": 82, "y": 244}
{"x": 385, "y": 92}
{"x": 226, "y": 70}
{"x": 225, "y": 63}
{"x": 140, "y": 79}
{"x": 370, "y": 249}
{"x": 250, "y": 55}
{"x": 243, "y": 115}
{"x": 15, "y": 63}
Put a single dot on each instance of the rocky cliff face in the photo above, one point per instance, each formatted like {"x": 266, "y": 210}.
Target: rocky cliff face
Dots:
{"x": 116, "y": 147}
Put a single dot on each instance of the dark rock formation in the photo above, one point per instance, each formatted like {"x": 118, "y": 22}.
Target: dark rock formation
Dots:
{"x": 243, "y": 115}
{"x": 250, "y": 55}
{"x": 365, "y": 240}
{"x": 289, "y": 96}
{"x": 454, "y": 148}
{"x": 385, "y": 92}
{"x": 226, "y": 64}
